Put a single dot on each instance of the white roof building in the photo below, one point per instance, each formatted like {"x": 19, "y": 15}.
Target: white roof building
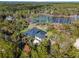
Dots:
{"x": 76, "y": 44}
{"x": 36, "y": 42}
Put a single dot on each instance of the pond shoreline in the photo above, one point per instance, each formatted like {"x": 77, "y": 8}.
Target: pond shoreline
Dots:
{"x": 67, "y": 16}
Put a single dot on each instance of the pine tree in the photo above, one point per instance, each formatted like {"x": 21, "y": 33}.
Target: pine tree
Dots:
{"x": 42, "y": 49}
{"x": 34, "y": 54}
{"x": 6, "y": 49}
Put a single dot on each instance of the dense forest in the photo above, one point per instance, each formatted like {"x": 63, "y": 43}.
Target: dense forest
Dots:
{"x": 60, "y": 38}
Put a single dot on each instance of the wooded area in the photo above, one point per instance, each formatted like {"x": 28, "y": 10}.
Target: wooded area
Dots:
{"x": 60, "y": 38}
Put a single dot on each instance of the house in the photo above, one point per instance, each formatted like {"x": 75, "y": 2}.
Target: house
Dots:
{"x": 9, "y": 18}
{"x": 38, "y": 34}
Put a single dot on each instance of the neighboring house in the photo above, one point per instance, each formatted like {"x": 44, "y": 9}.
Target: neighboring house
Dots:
{"x": 38, "y": 34}
{"x": 9, "y": 18}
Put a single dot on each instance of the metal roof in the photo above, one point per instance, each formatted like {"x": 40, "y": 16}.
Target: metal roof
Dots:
{"x": 35, "y": 32}
{"x": 41, "y": 34}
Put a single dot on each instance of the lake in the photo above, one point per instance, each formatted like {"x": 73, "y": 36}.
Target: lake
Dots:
{"x": 48, "y": 19}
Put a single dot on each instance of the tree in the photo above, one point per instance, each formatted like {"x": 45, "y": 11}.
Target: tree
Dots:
{"x": 6, "y": 49}
{"x": 24, "y": 55}
{"x": 42, "y": 50}
{"x": 34, "y": 54}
